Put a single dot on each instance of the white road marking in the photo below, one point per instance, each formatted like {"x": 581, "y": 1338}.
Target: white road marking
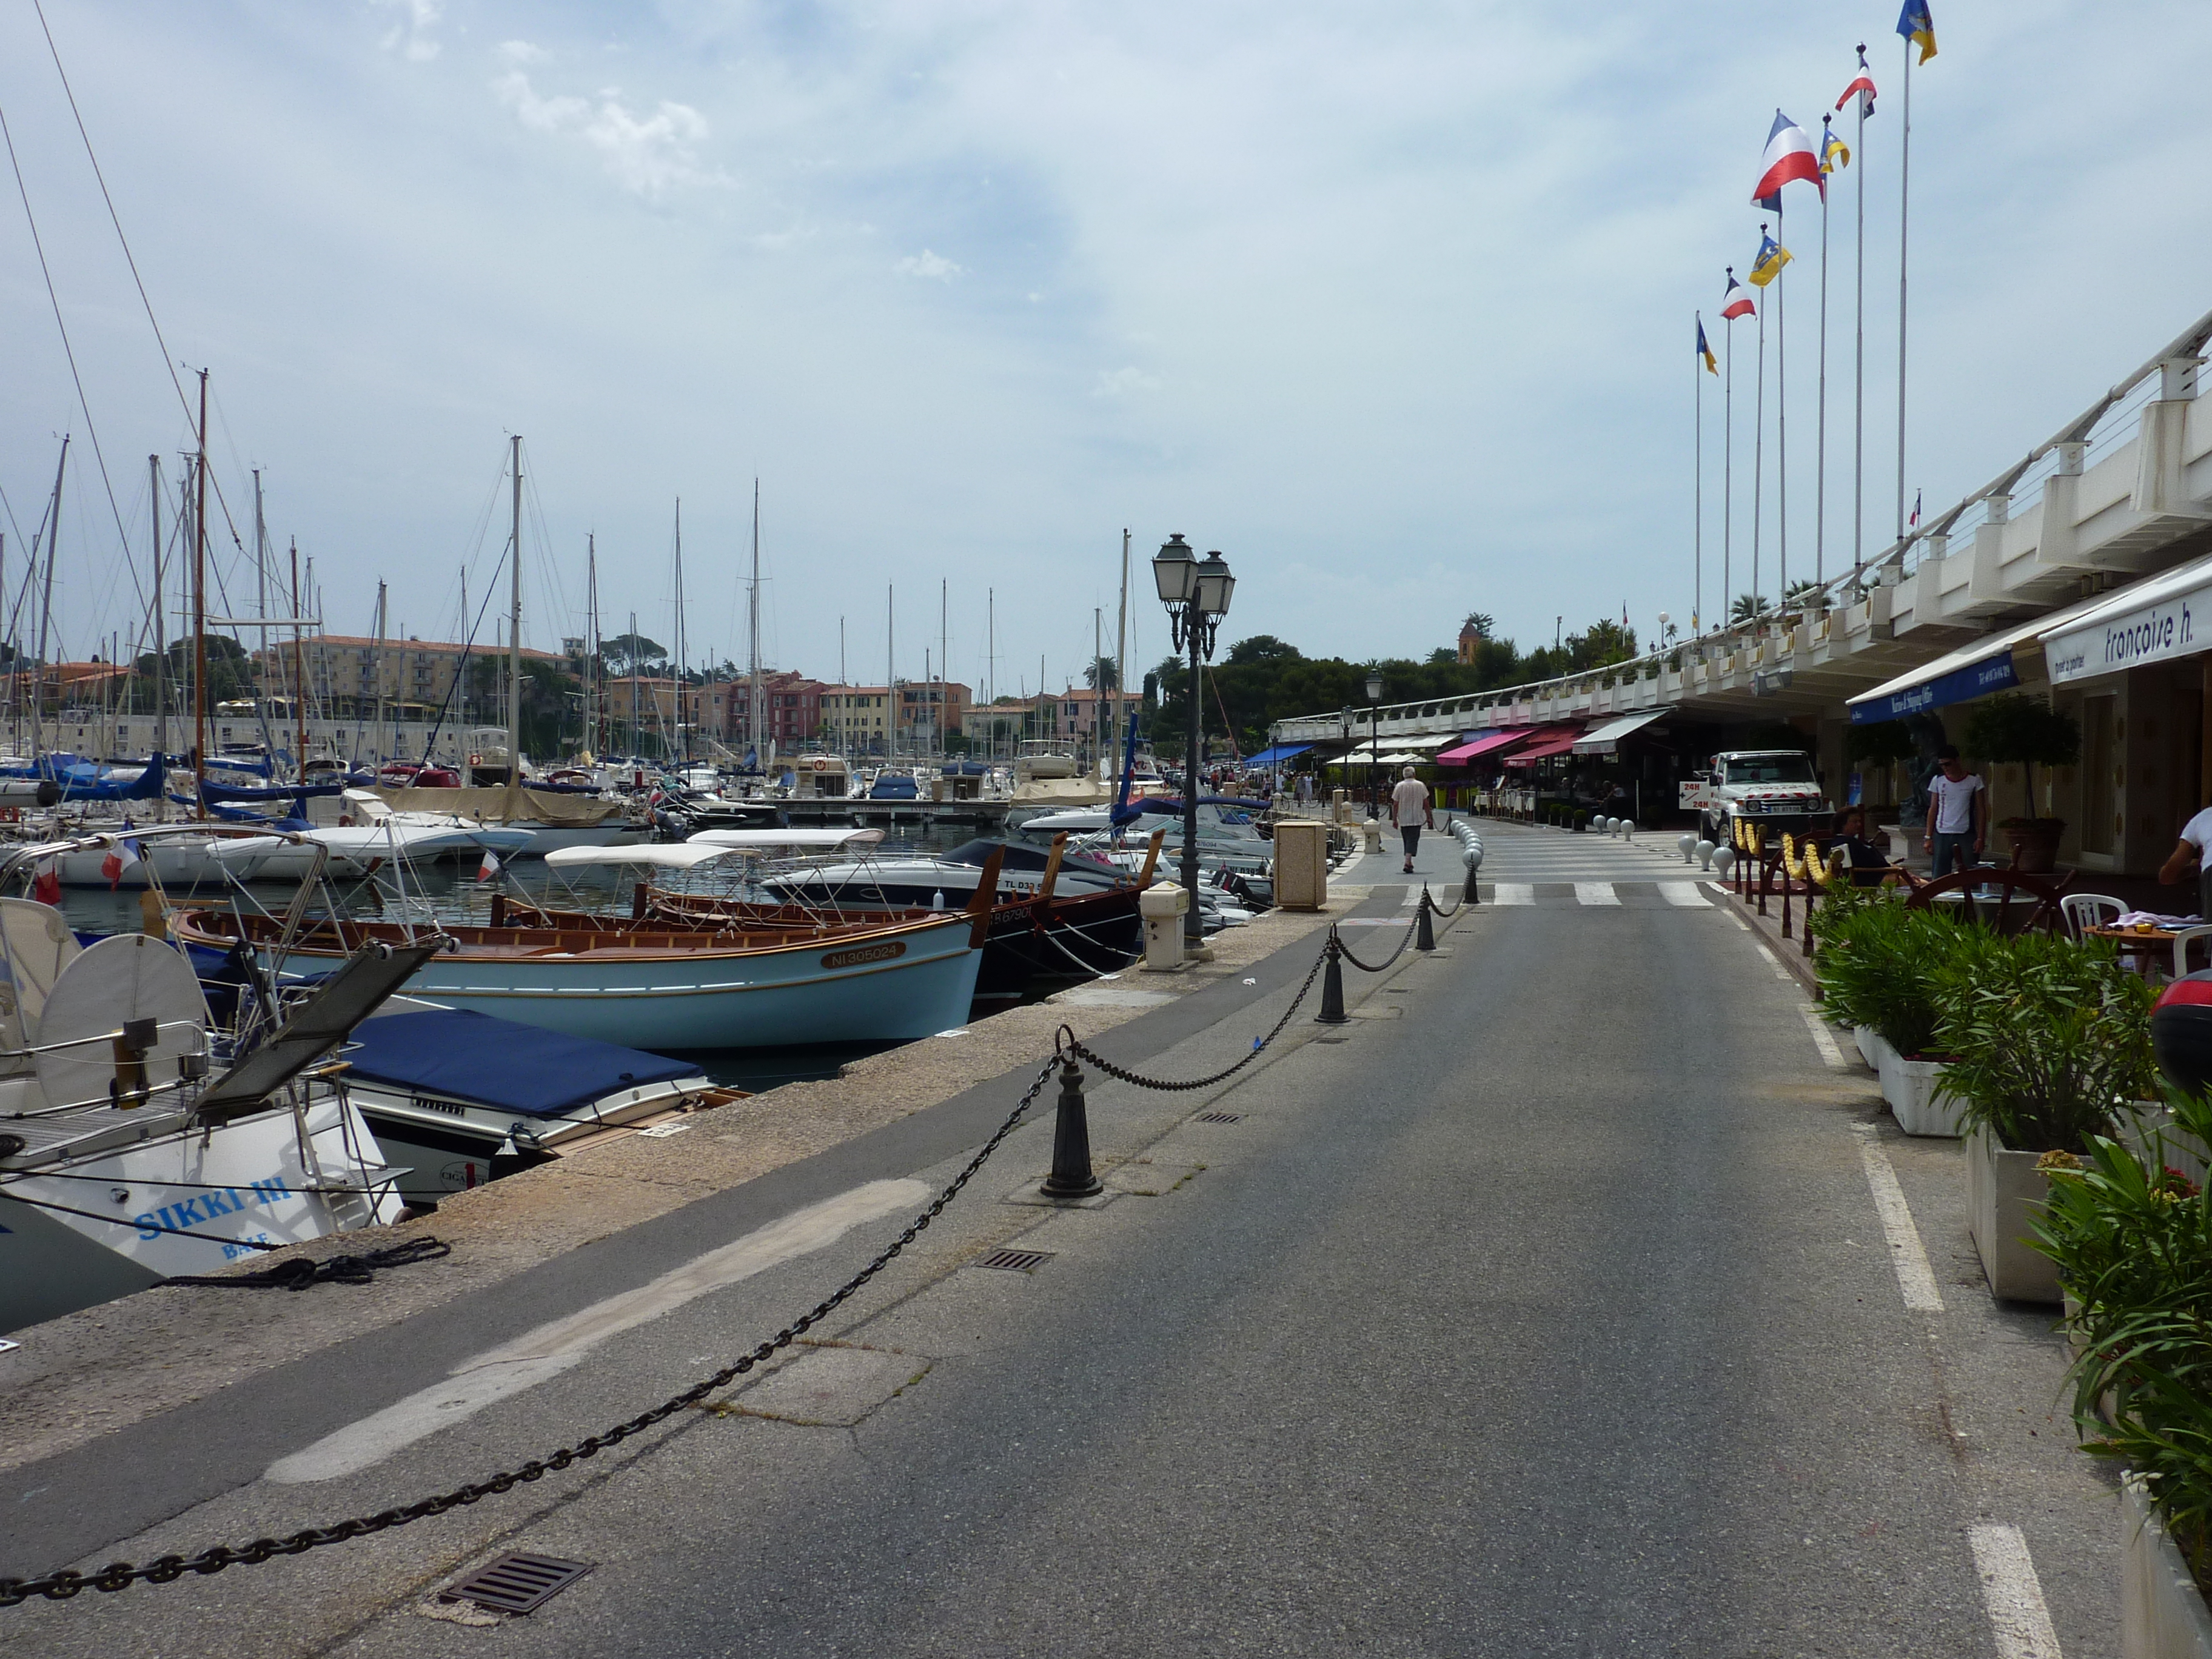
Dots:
{"x": 1687, "y": 893}
{"x": 532, "y": 1358}
{"x": 1596, "y": 892}
{"x": 1513, "y": 892}
{"x": 1914, "y": 1278}
{"x": 1825, "y": 1040}
{"x": 2013, "y": 1595}
{"x": 1413, "y": 899}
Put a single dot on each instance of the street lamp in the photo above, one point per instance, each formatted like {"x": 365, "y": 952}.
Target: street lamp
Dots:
{"x": 1375, "y": 746}
{"x": 1196, "y": 595}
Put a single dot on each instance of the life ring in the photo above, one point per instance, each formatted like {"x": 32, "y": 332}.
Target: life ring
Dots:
{"x": 820, "y": 764}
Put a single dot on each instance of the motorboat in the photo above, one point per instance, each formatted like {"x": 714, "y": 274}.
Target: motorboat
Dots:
{"x": 459, "y": 1098}
{"x": 923, "y": 881}
{"x": 629, "y": 981}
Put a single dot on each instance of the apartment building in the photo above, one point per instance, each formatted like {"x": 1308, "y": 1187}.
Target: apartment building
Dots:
{"x": 347, "y": 673}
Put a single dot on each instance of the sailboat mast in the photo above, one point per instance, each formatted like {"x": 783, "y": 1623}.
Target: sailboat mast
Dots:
{"x": 890, "y": 671}
{"x": 752, "y": 646}
{"x": 592, "y": 627}
{"x": 943, "y": 644}
{"x": 46, "y": 603}
{"x": 199, "y": 614}
{"x": 300, "y": 671}
{"x": 682, "y": 656}
{"x": 160, "y": 621}
{"x": 515, "y": 632}
{"x": 376, "y": 727}
{"x": 1121, "y": 653}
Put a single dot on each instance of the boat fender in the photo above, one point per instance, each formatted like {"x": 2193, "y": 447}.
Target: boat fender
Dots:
{"x": 937, "y": 899}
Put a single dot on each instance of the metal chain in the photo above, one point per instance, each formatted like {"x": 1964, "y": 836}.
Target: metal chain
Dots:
{"x": 60, "y": 1586}
{"x": 302, "y": 1271}
{"x": 1068, "y": 1044}
{"x": 1442, "y": 914}
{"x": 1346, "y": 950}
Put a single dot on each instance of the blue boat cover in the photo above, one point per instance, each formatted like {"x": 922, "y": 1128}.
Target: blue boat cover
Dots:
{"x": 498, "y": 1063}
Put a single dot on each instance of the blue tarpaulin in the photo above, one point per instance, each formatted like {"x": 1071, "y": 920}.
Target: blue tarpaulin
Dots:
{"x": 511, "y": 1068}
{"x": 1277, "y": 754}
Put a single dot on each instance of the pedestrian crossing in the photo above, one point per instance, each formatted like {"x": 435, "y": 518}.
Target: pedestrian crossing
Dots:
{"x": 1600, "y": 894}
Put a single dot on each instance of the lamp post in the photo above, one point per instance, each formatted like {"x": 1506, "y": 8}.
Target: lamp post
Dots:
{"x": 1196, "y": 595}
{"x": 1374, "y": 743}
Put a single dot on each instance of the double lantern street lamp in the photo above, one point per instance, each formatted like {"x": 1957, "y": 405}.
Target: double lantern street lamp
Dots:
{"x": 1196, "y": 594}
{"x": 1374, "y": 743}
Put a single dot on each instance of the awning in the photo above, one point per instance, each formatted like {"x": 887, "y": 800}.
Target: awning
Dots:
{"x": 1277, "y": 753}
{"x": 2148, "y": 622}
{"x": 1971, "y": 671}
{"x": 1404, "y": 757}
{"x": 1484, "y": 743}
{"x": 1604, "y": 739}
{"x": 1550, "y": 740}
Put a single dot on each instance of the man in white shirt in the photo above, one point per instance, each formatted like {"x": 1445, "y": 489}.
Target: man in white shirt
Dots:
{"x": 1410, "y": 811}
{"x": 1958, "y": 812}
{"x": 2196, "y": 835}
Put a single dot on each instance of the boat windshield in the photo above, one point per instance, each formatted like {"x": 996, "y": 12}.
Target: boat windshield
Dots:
{"x": 1770, "y": 768}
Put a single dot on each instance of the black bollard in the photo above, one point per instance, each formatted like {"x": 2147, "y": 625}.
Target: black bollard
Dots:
{"x": 1332, "y": 986}
{"x": 1072, "y": 1175}
{"x": 1424, "y": 937}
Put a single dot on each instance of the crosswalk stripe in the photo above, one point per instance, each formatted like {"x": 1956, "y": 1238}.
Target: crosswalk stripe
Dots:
{"x": 1686, "y": 893}
{"x": 1596, "y": 892}
{"x": 1513, "y": 892}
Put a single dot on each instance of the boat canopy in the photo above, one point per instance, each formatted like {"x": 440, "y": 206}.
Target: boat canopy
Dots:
{"x": 464, "y": 1056}
{"x": 676, "y": 855}
{"x": 784, "y": 841}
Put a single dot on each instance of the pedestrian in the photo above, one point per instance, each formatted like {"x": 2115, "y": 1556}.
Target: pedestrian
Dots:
{"x": 2195, "y": 836}
{"x": 1957, "y": 815}
{"x": 1410, "y": 809}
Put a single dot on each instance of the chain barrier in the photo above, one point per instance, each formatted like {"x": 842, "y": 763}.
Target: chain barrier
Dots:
{"x": 1438, "y": 910}
{"x": 62, "y": 1585}
{"x": 1387, "y": 961}
{"x": 1066, "y": 1042}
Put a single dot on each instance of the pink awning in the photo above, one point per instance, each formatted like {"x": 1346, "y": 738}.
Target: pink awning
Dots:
{"x": 1488, "y": 743}
{"x": 1551, "y": 740}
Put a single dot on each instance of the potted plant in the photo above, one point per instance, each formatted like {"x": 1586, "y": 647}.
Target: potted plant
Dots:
{"x": 2015, "y": 728}
{"x": 2048, "y": 1041}
{"x": 2131, "y": 1239}
{"x": 1883, "y": 743}
{"x": 1880, "y": 966}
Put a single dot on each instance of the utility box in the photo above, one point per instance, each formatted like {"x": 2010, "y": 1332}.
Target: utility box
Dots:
{"x": 1162, "y": 906}
{"x": 1301, "y": 864}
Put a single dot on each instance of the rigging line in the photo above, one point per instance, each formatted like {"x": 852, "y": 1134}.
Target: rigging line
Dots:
{"x": 69, "y": 351}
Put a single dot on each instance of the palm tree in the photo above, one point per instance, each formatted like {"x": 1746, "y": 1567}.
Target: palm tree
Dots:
{"x": 1103, "y": 676}
{"x": 1749, "y": 607}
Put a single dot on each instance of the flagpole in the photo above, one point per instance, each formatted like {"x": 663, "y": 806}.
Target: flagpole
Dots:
{"x": 1821, "y": 441}
{"x": 1728, "y": 460}
{"x": 1858, "y": 350}
{"x": 1758, "y": 453}
{"x": 1698, "y": 490}
{"x": 1781, "y": 429}
{"x": 1904, "y": 204}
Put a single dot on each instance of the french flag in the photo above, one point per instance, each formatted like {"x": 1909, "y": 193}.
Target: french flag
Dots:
{"x": 490, "y": 867}
{"x": 1736, "y": 302}
{"x": 1789, "y": 155}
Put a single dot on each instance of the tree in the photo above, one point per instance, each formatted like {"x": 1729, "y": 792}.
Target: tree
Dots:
{"x": 1478, "y": 624}
{"x": 2016, "y": 728}
{"x": 1749, "y": 607}
{"x": 1102, "y": 675}
{"x": 1800, "y": 594}
{"x": 633, "y": 653}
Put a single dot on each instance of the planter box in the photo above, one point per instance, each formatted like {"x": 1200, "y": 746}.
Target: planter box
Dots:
{"x": 1870, "y": 1045}
{"x": 1908, "y": 1087}
{"x": 2162, "y": 1616}
{"x": 2005, "y": 1192}
{"x": 2181, "y": 1152}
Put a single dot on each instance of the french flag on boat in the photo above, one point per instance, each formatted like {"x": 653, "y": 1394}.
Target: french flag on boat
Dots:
{"x": 1789, "y": 155}
{"x": 1736, "y": 302}
{"x": 489, "y": 868}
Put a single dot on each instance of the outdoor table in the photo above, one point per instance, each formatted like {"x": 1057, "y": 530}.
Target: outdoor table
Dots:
{"x": 2147, "y": 947}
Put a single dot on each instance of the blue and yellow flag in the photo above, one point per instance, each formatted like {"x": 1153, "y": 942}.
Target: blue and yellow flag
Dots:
{"x": 1704, "y": 351}
{"x": 1916, "y": 26}
{"x": 1772, "y": 256}
{"x": 1835, "y": 153}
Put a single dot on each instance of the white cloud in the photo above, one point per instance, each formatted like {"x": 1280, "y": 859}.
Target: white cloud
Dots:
{"x": 521, "y": 52}
{"x": 934, "y": 267}
{"x": 412, "y": 36}
{"x": 1119, "y": 382}
{"x": 649, "y": 155}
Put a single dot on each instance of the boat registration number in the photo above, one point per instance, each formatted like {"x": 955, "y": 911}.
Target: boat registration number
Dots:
{"x": 865, "y": 953}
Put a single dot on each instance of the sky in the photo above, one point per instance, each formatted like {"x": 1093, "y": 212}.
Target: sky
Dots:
{"x": 1392, "y": 304}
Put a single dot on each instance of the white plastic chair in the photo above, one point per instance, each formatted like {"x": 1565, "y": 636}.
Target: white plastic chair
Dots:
{"x": 2182, "y": 941}
{"x": 2080, "y": 910}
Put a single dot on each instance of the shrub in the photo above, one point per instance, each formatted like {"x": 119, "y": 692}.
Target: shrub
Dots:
{"x": 2047, "y": 1038}
{"x": 1878, "y": 965}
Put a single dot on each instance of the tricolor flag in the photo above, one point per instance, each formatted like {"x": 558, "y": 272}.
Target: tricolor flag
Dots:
{"x": 1772, "y": 256}
{"x": 1835, "y": 153}
{"x": 1704, "y": 351}
{"x": 1789, "y": 156}
{"x": 1862, "y": 84}
{"x": 490, "y": 867}
{"x": 1736, "y": 302}
{"x": 46, "y": 885}
{"x": 1914, "y": 520}
{"x": 111, "y": 867}
{"x": 1916, "y": 26}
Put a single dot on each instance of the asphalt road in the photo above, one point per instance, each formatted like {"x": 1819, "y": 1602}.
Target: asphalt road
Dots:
{"x": 1543, "y": 1310}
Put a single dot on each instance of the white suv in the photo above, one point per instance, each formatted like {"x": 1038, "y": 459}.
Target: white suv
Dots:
{"x": 1773, "y": 786}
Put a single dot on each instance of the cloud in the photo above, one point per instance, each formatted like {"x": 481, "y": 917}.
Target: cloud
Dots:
{"x": 1119, "y": 382}
{"x": 649, "y": 155}
{"x": 413, "y": 35}
{"x": 934, "y": 267}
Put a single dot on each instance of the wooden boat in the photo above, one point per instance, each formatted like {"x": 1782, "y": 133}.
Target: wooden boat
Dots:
{"x": 648, "y": 984}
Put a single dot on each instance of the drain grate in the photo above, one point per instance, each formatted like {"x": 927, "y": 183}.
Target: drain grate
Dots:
{"x": 1018, "y": 1262}
{"x": 1221, "y": 1117}
{"x": 516, "y": 1583}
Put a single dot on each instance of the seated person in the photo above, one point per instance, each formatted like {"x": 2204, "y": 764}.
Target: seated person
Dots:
{"x": 1869, "y": 865}
{"x": 2190, "y": 850}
